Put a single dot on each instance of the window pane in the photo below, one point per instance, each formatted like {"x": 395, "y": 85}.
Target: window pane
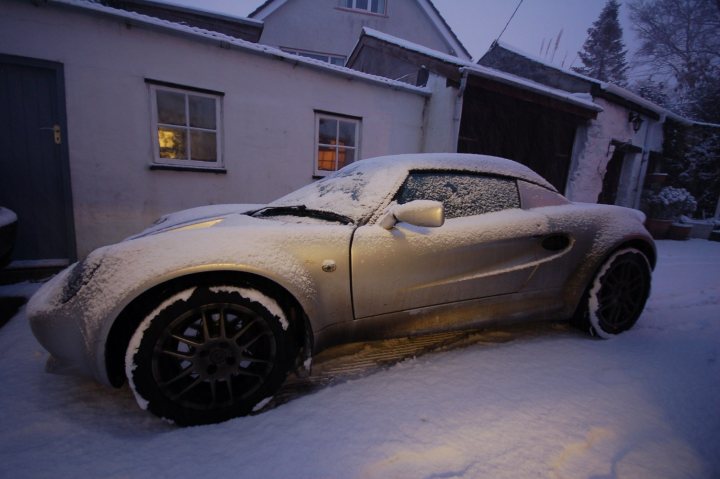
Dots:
{"x": 347, "y": 134}
{"x": 338, "y": 61}
{"x": 326, "y": 158}
{"x": 203, "y": 146}
{"x": 171, "y": 107}
{"x": 202, "y": 112}
{"x": 378, "y": 6}
{"x": 327, "y": 134}
{"x": 361, "y": 4}
{"x": 345, "y": 156}
{"x": 172, "y": 142}
{"x": 462, "y": 194}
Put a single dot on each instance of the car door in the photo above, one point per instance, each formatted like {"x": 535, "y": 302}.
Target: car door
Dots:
{"x": 488, "y": 246}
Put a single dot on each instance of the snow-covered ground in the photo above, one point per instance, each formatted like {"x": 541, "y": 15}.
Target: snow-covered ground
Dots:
{"x": 544, "y": 402}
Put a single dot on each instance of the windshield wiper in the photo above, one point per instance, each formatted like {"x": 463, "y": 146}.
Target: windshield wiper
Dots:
{"x": 301, "y": 210}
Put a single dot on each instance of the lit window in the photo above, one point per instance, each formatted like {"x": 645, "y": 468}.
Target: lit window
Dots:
{"x": 186, "y": 129}
{"x": 370, "y": 6}
{"x": 337, "y": 142}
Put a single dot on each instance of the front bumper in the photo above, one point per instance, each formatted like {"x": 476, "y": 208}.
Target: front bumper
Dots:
{"x": 58, "y": 328}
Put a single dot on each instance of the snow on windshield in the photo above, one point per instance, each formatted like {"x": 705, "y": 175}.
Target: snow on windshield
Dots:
{"x": 361, "y": 188}
{"x": 355, "y": 191}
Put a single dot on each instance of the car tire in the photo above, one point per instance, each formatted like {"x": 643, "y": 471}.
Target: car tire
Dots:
{"x": 209, "y": 353}
{"x": 617, "y": 295}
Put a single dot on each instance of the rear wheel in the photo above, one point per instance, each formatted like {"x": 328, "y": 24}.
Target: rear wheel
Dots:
{"x": 618, "y": 293}
{"x": 209, "y": 353}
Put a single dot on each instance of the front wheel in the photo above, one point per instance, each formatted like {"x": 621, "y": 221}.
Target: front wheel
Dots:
{"x": 618, "y": 293}
{"x": 209, "y": 353}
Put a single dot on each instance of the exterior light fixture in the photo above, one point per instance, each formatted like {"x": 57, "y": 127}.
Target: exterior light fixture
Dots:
{"x": 636, "y": 121}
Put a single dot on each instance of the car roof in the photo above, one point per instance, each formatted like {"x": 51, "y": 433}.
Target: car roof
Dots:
{"x": 491, "y": 165}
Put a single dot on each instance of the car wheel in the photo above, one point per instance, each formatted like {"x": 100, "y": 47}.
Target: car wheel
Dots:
{"x": 210, "y": 353}
{"x": 618, "y": 293}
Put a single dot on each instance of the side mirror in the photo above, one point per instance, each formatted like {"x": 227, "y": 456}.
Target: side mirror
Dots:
{"x": 417, "y": 213}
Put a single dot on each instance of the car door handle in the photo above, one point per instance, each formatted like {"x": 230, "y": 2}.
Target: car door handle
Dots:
{"x": 556, "y": 242}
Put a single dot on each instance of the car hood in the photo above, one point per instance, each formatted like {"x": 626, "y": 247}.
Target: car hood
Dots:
{"x": 191, "y": 216}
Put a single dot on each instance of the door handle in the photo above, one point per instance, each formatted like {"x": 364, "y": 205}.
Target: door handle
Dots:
{"x": 556, "y": 242}
{"x": 57, "y": 133}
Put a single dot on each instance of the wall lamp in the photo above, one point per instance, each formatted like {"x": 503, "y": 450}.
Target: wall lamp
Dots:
{"x": 636, "y": 121}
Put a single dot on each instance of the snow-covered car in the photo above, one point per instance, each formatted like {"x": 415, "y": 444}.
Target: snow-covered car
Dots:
{"x": 207, "y": 311}
{"x": 8, "y": 231}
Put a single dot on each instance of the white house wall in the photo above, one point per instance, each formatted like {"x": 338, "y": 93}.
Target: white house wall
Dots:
{"x": 442, "y": 116}
{"x": 268, "y": 117}
{"x": 593, "y": 150}
{"x": 322, "y": 26}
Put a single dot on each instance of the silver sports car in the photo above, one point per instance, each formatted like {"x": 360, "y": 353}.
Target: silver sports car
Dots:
{"x": 207, "y": 311}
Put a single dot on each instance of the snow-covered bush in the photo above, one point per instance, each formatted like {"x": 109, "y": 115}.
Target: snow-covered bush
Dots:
{"x": 669, "y": 203}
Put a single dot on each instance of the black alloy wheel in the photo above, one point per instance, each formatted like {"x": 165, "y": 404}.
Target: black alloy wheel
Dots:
{"x": 619, "y": 292}
{"x": 213, "y": 356}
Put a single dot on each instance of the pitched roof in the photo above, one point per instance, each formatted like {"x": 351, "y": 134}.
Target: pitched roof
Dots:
{"x": 240, "y": 27}
{"x": 270, "y": 6}
{"x": 597, "y": 87}
{"x": 230, "y": 42}
{"x": 580, "y": 100}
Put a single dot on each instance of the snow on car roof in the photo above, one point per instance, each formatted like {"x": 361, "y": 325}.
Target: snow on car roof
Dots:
{"x": 360, "y": 188}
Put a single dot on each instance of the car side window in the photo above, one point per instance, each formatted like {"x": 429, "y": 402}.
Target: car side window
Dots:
{"x": 463, "y": 194}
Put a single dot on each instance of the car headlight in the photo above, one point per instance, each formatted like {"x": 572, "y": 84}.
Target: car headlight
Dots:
{"x": 197, "y": 226}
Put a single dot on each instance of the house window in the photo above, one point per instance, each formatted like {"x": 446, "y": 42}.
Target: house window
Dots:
{"x": 337, "y": 142}
{"x": 370, "y": 6}
{"x": 186, "y": 127}
{"x": 325, "y": 57}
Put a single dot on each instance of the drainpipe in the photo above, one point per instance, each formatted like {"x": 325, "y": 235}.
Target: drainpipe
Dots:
{"x": 457, "y": 116}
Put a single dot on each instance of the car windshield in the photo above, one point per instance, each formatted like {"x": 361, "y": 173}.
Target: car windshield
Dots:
{"x": 354, "y": 192}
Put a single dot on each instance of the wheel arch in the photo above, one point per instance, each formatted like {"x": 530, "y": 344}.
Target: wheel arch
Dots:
{"x": 132, "y": 315}
{"x": 639, "y": 243}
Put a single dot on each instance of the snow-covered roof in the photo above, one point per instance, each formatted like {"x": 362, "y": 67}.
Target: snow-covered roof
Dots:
{"x": 579, "y": 99}
{"x": 233, "y": 42}
{"x": 207, "y": 12}
{"x": 408, "y": 45}
{"x": 270, "y": 6}
{"x": 610, "y": 88}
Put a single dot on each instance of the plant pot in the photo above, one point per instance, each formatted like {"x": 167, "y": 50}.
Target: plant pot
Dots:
{"x": 679, "y": 232}
{"x": 701, "y": 230}
{"x": 658, "y": 228}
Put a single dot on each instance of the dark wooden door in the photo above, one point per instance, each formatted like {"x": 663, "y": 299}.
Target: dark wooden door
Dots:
{"x": 34, "y": 171}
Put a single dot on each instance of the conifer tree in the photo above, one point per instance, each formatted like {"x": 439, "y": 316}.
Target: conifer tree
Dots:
{"x": 603, "y": 53}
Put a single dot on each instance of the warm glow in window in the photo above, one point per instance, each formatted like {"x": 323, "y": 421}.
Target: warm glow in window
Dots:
{"x": 186, "y": 125}
{"x": 337, "y": 142}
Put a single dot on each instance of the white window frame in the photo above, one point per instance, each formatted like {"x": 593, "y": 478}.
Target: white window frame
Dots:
{"x": 186, "y": 163}
{"x": 353, "y": 5}
{"x": 350, "y": 119}
{"x": 325, "y": 57}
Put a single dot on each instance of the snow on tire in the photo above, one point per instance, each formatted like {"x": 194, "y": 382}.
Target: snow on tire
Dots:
{"x": 618, "y": 293}
{"x": 209, "y": 353}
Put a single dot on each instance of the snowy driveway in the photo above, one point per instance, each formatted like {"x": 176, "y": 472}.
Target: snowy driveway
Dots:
{"x": 541, "y": 401}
